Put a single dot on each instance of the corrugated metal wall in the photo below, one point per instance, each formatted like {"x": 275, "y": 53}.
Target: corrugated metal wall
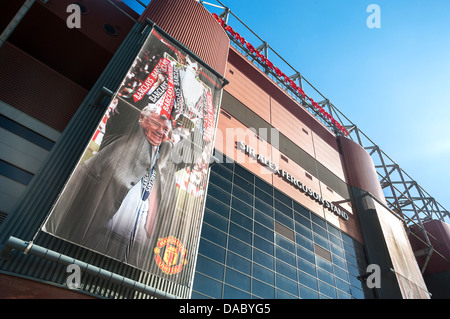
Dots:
{"x": 53, "y": 101}
{"x": 211, "y": 45}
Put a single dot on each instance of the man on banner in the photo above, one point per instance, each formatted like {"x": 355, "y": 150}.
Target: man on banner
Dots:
{"x": 122, "y": 198}
{"x": 115, "y": 195}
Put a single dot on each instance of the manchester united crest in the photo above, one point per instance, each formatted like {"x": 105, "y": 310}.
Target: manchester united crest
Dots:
{"x": 173, "y": 255}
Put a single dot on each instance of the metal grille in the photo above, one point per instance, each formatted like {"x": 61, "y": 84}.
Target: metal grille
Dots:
{"x": 322, "y": 252}
{"x": 284, "y": 231}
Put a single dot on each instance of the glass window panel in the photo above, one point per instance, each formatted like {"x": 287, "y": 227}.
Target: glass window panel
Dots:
{"x": 305, "y": 254}
{"x": 306, "y": 293}
{"x": 319, "y": 221}
{"x": 284, "y": 231}
{"x": 264, "y": 197}
{"x": 351, "y": 259}
{"x": 338, "y": 272}
{"x": 306, "y": 243}
{"x": 241, "y": 220}
{"x": 287, "y": 285}
{"x": 263, "y": 185}
{"x": 263, "y": 244}
{"x": 207, "y": 286}
{"x": 242, "y": 207}
{"x": 319, "y": 230}
{"x": 323, "y": 253}
{"x": 237, "y": 279}
{"x": 285, "y": 243}
{"x": 302, "y": 221}
{"x": 267, "y": 211}
{"x": 324, "y": 264}
{"x": 302, "y": 210}
{"x": 333, "y": 230}
{"x": 335, "y": 240}
{"x": 233, "y": 293}
{"x": 337, "y": 250}
{"x": 285, "y": 256}
{"x": 210, "y": 268}
{"x": 195, "y": 295}
{"x": 342, "y": 295}
{"x": 263, "y": 219}
{"x": 215, "y": 220}
{"x": 283, "y": 208}
{"x": 217, "y": 207}
{"x": 306, "y": 266}
{"x": 211, "y": 250}
{"x": 240, "y": 248}
{"x": 325, "y": 276}
{"x": 242, "y": 183}
{"x": 319, "y": 240}
{"x": 283, "y": 219}
{"x": 235, "y": 261}
{"x": 347, "y": 239}
{"x": 219, "y": 194}
{"x": 286, "y": 270}
{"x": 240, "y": 233}
{"x": 282, "y": 197}
{"x": 228, "y": 163}
{"x": 327, "y": 290}
{"x": 262, "y": 290}
{"x": 355, "y": 282}
{"x": 221, "y": 170}
{"x": 349, "y": 249}
{"x": 263, "y": 274}
{"x": 242, "y": 172}
{"x": 280, "y": 294}
{"x": 243, "y": 195}
{"x": 342, "y": 285}
{"x": 263, "y": 259}
{"x": 303, "y": 231}
{"x": 214, "y": 235}
{"x": 264, "y": 232}
{"x": 352, "y": 270}
{"x": 358, "y": 294}
{"x": 219, "y": 181}
{"x": 307, "y": 280}
{"x": 339, "y": 262}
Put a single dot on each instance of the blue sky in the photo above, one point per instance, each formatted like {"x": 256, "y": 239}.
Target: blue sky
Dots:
{"x": 393, "y": 82}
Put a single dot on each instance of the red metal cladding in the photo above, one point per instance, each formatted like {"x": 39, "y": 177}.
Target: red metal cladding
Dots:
{"x": 439, "y": 236}
{"x": 359, "y": 168}
{"x": 34, "y": 88}
{"x": 191, "y": 24}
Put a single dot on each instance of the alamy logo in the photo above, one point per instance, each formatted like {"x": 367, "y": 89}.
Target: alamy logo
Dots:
{"x": 73, "y": 281}
{"x": 372, "y": 277}
{"x": 74, "y": 19}
{"x": 374, "y": 19}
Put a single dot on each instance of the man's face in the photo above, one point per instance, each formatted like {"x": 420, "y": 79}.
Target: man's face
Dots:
{"x": 155, "y": 128}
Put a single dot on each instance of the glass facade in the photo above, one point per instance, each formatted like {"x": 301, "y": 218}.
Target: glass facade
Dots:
{"x": 258, "y": 243}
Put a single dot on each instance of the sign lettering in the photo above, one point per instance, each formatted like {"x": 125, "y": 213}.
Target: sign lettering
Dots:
{"x": 292, "y": 180}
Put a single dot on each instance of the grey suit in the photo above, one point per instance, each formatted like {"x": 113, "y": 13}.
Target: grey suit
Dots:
{"x": 98, "y": 186}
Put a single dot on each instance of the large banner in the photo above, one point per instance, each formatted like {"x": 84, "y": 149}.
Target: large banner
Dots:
{"x": 137, "y": 194}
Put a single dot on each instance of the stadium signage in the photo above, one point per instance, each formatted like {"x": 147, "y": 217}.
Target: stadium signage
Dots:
{"x": 280, "y": 74}
{"x": 250, "y": 151}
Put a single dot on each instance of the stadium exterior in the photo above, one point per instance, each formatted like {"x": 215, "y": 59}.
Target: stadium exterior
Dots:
{"x": 294, "y": 206}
